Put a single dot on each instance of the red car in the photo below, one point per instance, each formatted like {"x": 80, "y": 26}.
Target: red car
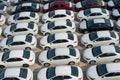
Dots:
{"x": 86, "y": 4}
{"x": 57, "y": 5}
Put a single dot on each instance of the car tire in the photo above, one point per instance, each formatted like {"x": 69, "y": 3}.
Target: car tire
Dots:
{"x": 70, "y": 46}
{"x": 25, "y": 65}
{"x": 71, "y": 63}
{"x": 46, "y": 64}
{"x": 47, "y": 48}
{"x": 92, "y": 62}
{"x": 89, "y": 45}
{"x": 6, "y": 50}
{"x": 28, "y": 48}
{"x": 112, "y": 43}
{"x": 117, "y": 60}
{"x": 46, "y": 34}
{"x": 69, "y": 32}
{"x": 30, "y": 34}
{"x": 2, "y": 66}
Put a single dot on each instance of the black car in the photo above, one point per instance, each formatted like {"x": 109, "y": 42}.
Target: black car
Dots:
{"x": 96, "y": 25}
{"x": 32, "y": 7}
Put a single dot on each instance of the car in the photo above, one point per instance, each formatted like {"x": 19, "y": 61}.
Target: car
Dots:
{"x": 16, "y": 74}
{"x": 109, "y": 71}
{"x": 75, "y": 1}
{"x": 32, "y": 7}
{"x": 3, "y": 9}
{"x": 23, "y": 17}
{"x": 58, "y": 40}
{"x": 21, "y": 42}
{"x": 117, "y": 24}
{"x": 96, "y": 25}
{"x": 86, "y": 4}
{"x": 59, "y": 56}
{"x": 58, "y": 27}
{"x": 56, "y": 5}
{"x": 99, "y": 38}
{"x": 113, "y": 4}
{"x": 17, "y": 2}
{"x": 17, "y": 58}
{"x": 115, "y": 14}
{"x": 102, "y": 54}
{"x": 92, "y": 13}
{"x": 60, "y": 73}
{"x": 2, "y": 19}
{"x": 58, "y": 15}
{"x": 24, "y": 28}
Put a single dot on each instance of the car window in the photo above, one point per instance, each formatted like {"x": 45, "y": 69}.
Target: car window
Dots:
{"x": 67, "y": 77}
{"x": 17, "y": 43}
{"x": 98, "y": 14}
{"x": 93, "y": 14}
{"x": 69, "y": 23}
{"x": 21, "y": 29}
{"x": 21, "y": 18}
{"x": 52, "y": 13}
{"x": 10, "y": 78}
{"x": 59, "y": 27}
{"x": 68, "y": 12}
{"x": 13, "y": 59}
{"x": 107, "y": 54}
{"x": 56, "y": 41}
{"x": 111, "y": 74}
{"x": 56, "y": 6}
{"x": 100, "y": 39}
{"x": 64, "y": 41}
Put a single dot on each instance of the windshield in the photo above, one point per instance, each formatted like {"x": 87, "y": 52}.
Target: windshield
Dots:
{"x": 51, "y": 38}
{"x": 93, "y": 36}
{"x": 101, "y": 69}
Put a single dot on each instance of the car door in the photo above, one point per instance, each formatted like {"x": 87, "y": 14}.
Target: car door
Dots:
{"x": 58, "y": 29}
{"x": 21, "y": 31}
{"x": 94, "y": 15}
{"x": 13, "y": 62}
{"x": 111, "y": 76}
{"x": 106, "y": 57}
{"x": 17, "y": 45}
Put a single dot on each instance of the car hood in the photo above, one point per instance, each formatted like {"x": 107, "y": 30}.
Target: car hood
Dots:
{"x": 45, "y": 16}
{"x": 3, "y": 42}
{"x": 43, "y": 56}
{"x": 43, "y": 40}
{"x": 83, "y": 25}
{"x": 90, "y": 70}
{"x": 110, "y": 3}
{"x": 115, "y": 12}
{"x": 13, "y": 9}
{"x": 44, "y": 28}
{"x": 88, "y": 53}
{"x": 80, "y": 14}
{"x": 118, "y": 24}
{"x": 46, "y": 6}
{"x": 85, "y": 38}
{"x": 42, "y": 74}
{"x": 15, "y": 1}
{"x": 10, "y": 18}
{"x": 7, "y": 30}
{"x": 78, "y": 5}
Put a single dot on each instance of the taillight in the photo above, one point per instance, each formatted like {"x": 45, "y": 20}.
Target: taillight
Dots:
{"x": 33, "y": 44}
{"x": 71, "y": 16}
{"x": 79, "y": 78}
{"x": 36, "y": 19}
{"x": 31, "y": 60}
{"x": 75, "y": 41}
{"x": 35, "y": 30}
{"x": 77, "y": 58}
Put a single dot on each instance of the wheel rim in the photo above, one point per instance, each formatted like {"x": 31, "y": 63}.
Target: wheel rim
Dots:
{"x": 6, "y": 50}
{"x": 25, "y": 65}
{"x": 46, "y": 64}
{"x": 92, "y": 62}
{"x": 71, "y": 63}
{"x": 117, "y": 60}
{"x": 70, "y": 46}
{"x": 28, "y": 49}
{"x": 47, "y": 48}
{"x": 46, "y": 34}
{"x": 89, "y": 46}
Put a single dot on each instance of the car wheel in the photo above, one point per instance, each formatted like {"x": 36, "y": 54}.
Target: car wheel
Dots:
{"x": 69, "y": 32}
{"x": 92, "y": 62}
{"x": 112, "y": 43}
{"x": 47, "y": 48}
{"x": 46, "y": 34}
{"x": 1, "y": 66}
{"x": 47, "y": 64}
{"x": 83, "y": 20}
{"x": 117, "y": 60}
{"x": 25, "y": 65}
{"x": 6, "y": 50}
{"x": 28, "y": 48}
{"x": 89, "y": 45}
{"x": 70, "y": 46}
{"x": 72, "y": 63}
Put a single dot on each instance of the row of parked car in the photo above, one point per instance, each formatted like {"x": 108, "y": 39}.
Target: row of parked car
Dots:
{"x": 59, "y": 42}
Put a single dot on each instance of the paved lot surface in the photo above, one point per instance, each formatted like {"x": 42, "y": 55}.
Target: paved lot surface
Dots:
{"x": 36, "y": 67}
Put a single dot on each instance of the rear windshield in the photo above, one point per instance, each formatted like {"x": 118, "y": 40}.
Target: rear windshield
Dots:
{"x": 26, "y": 54}
{"x": 2, "y": 73}
{"x": 5, "y": 56}
{"x": 74, "y": 71}
{"x": 93, "y": 36}
{"x": 2, "y": 6}
{"x": 101, "y": 69}
{"x": 51, "y": 38}
{"x": 52, "y": 13}
{"x": 50, "y": 72}
{"x": 13, "y": 27}
{"x": 28, "y": 38}
{"x": 71, "y": 36}
{"x": 31, "y": 25}
{"x": 112, "y": 34}
{"x": 68, "y": 12}
{"x": 87, "y": 12}
{"x": 50, "y": 53}
{"x": 96, "y": 51}
{"x": 69, "y": 23}
{"x": 72, "y": 52}
{"x": 32, "y": 14}
{"x": 9, "y": 40}
{"x": 51, "y": 25}
{"x": 16, "y": 16}
{"x": 117, "y": 48}
{"x": 23, "y": 73}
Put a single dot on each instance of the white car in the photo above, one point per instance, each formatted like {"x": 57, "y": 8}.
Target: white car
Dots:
{"x": 111, "y": 4}
{"x": 109, "y": 71}
{"x": 17, "y": 58}
{"x": 18, "y": 42}
{"x": 3, "y": 9}
{"x": 92, "y": 13}
{"x": 96, "y": 25}
{"x": 58, "y": 40}
{"x": 58, "y": 27}
{"x": 23, "y": 17}
{"x": 60, "y": 73}
{"x": 115, "y": 14}
{"x": 59, "y": 56}
{"x": 100, "y": 38}
{"x": 16, "y": 74}
{"x": 58, "y": 15}
{"x": 21, "y": 29}
{"x": 102, "y": 54}
{"x": 2, "y": 19}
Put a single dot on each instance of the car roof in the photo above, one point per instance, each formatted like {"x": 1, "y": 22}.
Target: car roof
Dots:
{"x": 95, "y": 10}
{"x": 19, "y": 38}
{"x": 113, "y": 67}
{"x": 61, "y": 11}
